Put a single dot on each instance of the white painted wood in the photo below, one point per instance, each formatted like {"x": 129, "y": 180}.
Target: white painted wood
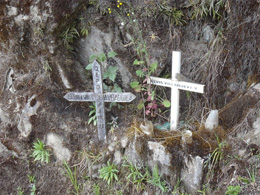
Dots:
{"x": 187, "y": 86}
{"x": 99, "y": 97}
{"x": 176, "y": 85}
{"x": 175, "y": 93}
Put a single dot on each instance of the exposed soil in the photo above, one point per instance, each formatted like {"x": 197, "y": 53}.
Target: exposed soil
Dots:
{"x": 222, "y": 54}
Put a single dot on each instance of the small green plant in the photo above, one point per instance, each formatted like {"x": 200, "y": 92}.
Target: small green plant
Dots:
{"x": 135, "y": 174}
{"x": 204, "y": 8}
{"x": 176, "y": 189}
{"x": 96, "y": 189}
{"x": 155, "y": 180}
{"x": 46, "y": 66}
{"x": 33, "y": 189}
{"x": 69, "y": 35}
{"x": 84, "y": 31}
{"x": 172, "y": 15}
{"x": 92, "y": 114}
{"x": 31, "y": 178}
{"x": 243, "y": 180}
{"x": 32, "y": 184}
{"x": 39, "y": 152}
{"x": 109, "y": 75}
{"x": 216, "y": 156}
{"x": 113, "y": 124}
{"x": 100, "y": 58}
{"x": 72, "y": 175}
{"x": 233, "y": 190}
{"x": 20, "y": 191}
{"x": 119, "y": 192}
{"x": 150, "y": 102}
{"x": 38, "y": 31}
{"x": 252, "y": 172}
{"x": 109, "y": 173}
{"x": 203, "y": 191}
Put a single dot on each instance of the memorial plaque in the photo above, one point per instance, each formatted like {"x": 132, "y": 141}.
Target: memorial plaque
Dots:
{"x": 99, "y": 97}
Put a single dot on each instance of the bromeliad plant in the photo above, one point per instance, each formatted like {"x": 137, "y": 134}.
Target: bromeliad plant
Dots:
{"x": 109, "y": 173}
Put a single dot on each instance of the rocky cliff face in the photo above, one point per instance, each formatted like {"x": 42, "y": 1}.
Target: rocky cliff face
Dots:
{"x": 45, "y": 47}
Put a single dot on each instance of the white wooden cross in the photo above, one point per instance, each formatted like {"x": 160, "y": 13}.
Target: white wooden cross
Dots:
{"x": 175, "y": 85}
{"x": 99, "y": 97}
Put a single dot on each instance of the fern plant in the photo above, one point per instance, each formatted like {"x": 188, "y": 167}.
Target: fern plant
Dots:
{"x": 39, "y": 152}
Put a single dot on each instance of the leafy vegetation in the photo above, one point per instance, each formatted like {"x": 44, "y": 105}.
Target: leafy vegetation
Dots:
{"x": 69, "y": 35}
{"x": 252, "y": 172}
{"x": 92, "y": 114}
{"x": 155, "y": 180}
{"x": 204, "y": 8}
{"x": 72, "y": 175}
{"x": 135, "y": 175}
{"x": 109, "y": 75}
{"x": 233, "y": 190}
{"x": 20, "y": 191}
{"x": 39, "y": 152}
{"x": 32, "y": 184}
{"x": 145, "y": 66}
{"x": 109, "y": 173}
{"x": 96, "y": 189}
{"x": 171, "y": 15}
{"x": 216, "y": 156}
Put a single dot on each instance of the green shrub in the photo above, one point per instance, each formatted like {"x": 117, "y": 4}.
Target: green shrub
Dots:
{"x": 39, "y": 152}
{"x": 109, "y": 173}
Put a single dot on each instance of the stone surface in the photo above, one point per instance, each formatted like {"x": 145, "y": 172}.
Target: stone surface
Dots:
{"x": 101, "y": 42}
{"x": 132, "y": 152}
{"x": 235, "y": 111}
{"x": 64, "y": 78}
{"x": 212, "y": 120}
{"x": 208, "y": 34}
{"x": 124, "y": 142}
{"x": 5, "y": 153}
{"x": 159, "y": 153}
{"x": 112, "y": 146}
{"x": 192, "y": 174}
{"x": 253, "y": 134}
{"x": 30, "y": 109}
{"x": 160, "y": 158}
{"x": 56, "y": 143}
{"x": 117, "y": 157}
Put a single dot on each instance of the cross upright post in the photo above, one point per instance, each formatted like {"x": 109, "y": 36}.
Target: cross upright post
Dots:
{"x": 175, "y": 93}
{"x": 176, "y": 84}
{"x": 100, "y": 105}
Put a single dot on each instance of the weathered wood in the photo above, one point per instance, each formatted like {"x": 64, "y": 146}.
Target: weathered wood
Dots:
{"x": 99, "y": 97}
{"x": 100, "y": 105}
{"x": 177, "y": 82}
{"x": 107, "y": 97}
